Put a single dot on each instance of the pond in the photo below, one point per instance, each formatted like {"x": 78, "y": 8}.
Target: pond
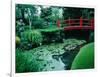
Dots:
{"x": 55, "y": 56}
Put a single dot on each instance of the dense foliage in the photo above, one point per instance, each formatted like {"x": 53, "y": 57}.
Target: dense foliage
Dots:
{"x": 38, "y": 38}
{"x": 31, "y": 38}
{"x": 73, "y": 13}
{"x": 25, "y": 62}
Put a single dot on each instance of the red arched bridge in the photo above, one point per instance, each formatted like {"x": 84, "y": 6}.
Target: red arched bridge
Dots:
{"x": 76, "y": 24}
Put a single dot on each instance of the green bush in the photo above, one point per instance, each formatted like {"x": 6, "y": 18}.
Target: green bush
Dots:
{"x": 39, "y": 24}
{"x": 85, "y": 58}
{"x": 32, "y": 36}
{"x": 25, "y": 62}
{"x": 52, "y": 34}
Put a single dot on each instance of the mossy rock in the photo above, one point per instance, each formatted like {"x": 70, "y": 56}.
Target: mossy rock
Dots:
{"x": 85, "y": 58}
{"x": 17, "y": 40}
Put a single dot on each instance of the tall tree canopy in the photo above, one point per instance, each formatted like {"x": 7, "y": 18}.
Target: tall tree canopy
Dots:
{"x": 72, "y": 12}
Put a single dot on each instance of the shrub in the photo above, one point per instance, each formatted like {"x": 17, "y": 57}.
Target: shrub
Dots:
{"x": 25, "y": 62}
{"x": 35, "y": 37}
{"x": 85, "y": 58}
{"x": 39, "y": 24}
{"x": 52, "y": 34}
{"x": 31, "y": 37}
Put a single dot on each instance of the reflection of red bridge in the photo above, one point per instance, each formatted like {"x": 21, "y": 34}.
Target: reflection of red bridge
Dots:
{"x": 76, "y": 24}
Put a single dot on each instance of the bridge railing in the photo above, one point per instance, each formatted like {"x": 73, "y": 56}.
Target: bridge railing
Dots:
{"x": 76, "y": 22}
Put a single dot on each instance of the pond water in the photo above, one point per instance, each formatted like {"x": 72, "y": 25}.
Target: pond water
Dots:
{"x": 43, "y": 55}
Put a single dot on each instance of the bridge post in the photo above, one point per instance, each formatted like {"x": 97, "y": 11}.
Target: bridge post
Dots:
{"x": 92, "y": 23}
{"x": 58, "y": 23}
{"x": 81, "y": 22}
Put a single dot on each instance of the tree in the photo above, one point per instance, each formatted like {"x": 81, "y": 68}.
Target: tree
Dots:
{"x": 57, "y": 14}
{"x": 27, "y": 13}
{"x": 72, "y": 12}
{"x": 88, "y": 13}
{"x": 45, "y": 14}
